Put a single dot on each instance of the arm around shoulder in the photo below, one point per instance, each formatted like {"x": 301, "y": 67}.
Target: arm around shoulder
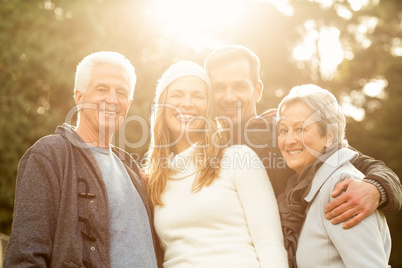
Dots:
{"x": 355, "y": 247}
{"x": 377, "y": 171}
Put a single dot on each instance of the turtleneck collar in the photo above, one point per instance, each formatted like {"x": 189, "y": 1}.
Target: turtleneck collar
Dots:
{"x": 182, "y": 164}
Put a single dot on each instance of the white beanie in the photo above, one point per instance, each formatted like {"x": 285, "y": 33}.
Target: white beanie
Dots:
{"x": 178, "y": 70}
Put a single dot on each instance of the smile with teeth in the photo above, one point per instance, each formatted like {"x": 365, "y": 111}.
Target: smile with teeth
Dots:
{"x": 293, "y": 152}
{"x": 184, "y": 117}
{"x": 109, "y": 112}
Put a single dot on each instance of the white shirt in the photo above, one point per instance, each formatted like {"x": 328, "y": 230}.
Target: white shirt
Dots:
{"x": 234, "y": 222}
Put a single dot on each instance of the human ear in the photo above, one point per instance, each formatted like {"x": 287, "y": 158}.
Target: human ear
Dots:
{"x": 330, "y": 139}
{"x": 258, "y": 91}
{"x": 77, "y": 97}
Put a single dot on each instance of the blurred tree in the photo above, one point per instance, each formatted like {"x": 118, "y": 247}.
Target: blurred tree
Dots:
{"x": 379, "y": 134}
{"x": 29, "y": 71}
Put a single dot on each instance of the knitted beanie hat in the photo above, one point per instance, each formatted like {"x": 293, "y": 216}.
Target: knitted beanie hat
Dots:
{"x": 179, "y": 70}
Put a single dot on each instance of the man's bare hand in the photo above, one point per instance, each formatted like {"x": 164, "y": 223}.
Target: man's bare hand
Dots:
{"x": 359, "y": 200}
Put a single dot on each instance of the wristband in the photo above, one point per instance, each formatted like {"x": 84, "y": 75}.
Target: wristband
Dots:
{"x": 384, "y": 197}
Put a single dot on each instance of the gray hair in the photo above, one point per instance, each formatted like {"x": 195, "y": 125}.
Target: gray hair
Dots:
{"x": 328, "y": 114}
{"x": 84, "y": 69}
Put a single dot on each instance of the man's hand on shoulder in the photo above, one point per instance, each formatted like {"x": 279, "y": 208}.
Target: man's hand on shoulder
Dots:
{"x": 359, "y": 200}
{"x": 269, "y": 115}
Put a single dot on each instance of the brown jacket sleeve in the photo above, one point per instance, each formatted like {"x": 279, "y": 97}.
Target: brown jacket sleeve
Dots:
{"x": 378, "y": 171}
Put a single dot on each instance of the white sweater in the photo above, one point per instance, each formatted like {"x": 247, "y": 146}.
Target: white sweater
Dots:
{"x": 234, "y": 222}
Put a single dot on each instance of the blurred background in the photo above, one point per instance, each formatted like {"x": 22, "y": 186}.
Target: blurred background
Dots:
{"x": 350, "y": 47}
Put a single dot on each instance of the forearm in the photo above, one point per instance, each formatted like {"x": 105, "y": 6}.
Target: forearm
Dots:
{"x": 376, "y": 170}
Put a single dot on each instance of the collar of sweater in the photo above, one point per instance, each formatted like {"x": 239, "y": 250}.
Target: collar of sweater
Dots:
{"x": 182, "y": 165}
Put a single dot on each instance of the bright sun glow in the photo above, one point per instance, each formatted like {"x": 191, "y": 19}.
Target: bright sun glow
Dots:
{"x": 355, "y": 112}
{"x": 375, "y": 88}
{"x": 396, "y": 47}
{"x": 330, "y": 50}
{"x": 282, "y": 6}
{"x": 356, "y": 5}
{"x": 193, "y": 22}
{"x": 323, "y": 43}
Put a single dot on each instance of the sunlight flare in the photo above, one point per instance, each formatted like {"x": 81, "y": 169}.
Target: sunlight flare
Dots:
{"x": 323, "y": 45}
{"x": 375, "y": 88}
{"x": 194, "y": 22}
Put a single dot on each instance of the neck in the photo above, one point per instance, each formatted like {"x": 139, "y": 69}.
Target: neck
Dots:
{"x": 237, "y": 134}
{"x": 99, "y": 139}
{"x": 240, "y": 130}
{"x": 180, "y": 146}
{"x": 185, "y": 142}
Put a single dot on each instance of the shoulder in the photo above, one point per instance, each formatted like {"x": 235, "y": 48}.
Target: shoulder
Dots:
{"x": 122, "y": 154}
{"x": 347, "y": 170}
{"x": 236, "y": 150}
{"x": 342, "y": 159}
{"x": 335, "y": 169}
{"x": 344, "y": 172}
{"x": 50, "y": 152}
{"x": 126, "y": 158}
{"x": 267, "y": 116}
{"x": 48, "y": 145}
{"x": 241, "y": 158}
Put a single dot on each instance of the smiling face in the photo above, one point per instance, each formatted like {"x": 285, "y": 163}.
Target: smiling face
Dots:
{"x": 104, "y": 105}
{"x": 234, "y": 92}
{"x": 300, "y": 139}
{"x": 186, "y": 102}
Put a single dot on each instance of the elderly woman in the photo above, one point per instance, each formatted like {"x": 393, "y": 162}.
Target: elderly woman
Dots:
{"x": 311, "y": 138}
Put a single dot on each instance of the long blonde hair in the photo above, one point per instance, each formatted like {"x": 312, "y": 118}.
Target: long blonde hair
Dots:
{"x": 207, "y": 155}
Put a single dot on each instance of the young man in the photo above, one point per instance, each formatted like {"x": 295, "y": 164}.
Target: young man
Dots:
{"x": 236, "y": 86}
{"x": 80, "y": 201}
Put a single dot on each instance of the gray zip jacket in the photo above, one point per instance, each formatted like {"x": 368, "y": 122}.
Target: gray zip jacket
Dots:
{"x": 61, "y": 216}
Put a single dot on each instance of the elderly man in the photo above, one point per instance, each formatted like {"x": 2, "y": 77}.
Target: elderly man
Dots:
{"x": 236, "y": 86}
{"x": 80, "y": 201}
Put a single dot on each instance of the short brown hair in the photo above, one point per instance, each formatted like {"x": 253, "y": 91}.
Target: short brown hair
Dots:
{"x": 230, "y": 53}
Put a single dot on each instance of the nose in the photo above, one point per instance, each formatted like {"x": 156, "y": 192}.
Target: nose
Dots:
{"x": 229, "y": 96}
{"x": 187, "y": 102}
{"x": 291, "y": 137}
{"x": 112, "y": 96}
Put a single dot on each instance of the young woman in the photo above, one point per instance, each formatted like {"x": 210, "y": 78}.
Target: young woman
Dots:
{"x": 213, "y": 207}
{"x": 311, "y": 139}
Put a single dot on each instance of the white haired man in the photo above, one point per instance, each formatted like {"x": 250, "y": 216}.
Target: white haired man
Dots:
{"x": 80, "y": 201}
